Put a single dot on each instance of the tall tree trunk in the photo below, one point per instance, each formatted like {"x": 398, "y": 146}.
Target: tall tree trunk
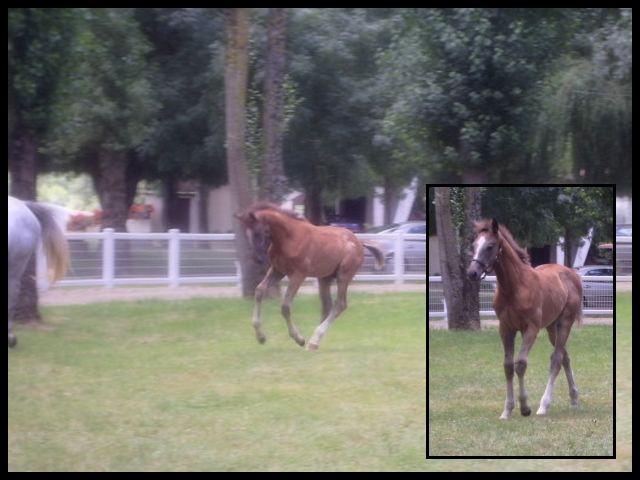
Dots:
{"x": 474, "y": 177}
{"x": 273, "y": 184}
{"x": 111, "y": 186}
{"x": 570, "y": 248}
{"x": 313, "y": 204}
{"x": 171, "y": 207}
{"x": 203, "y": 190}
{"x": 471, "y": 290}
{"x": 235, "y": 85}
{"x": 23, "y": 171}
{"x": 471, "y": 175}
{"x": 451, "y": 265}
{"x": 390, "y": 200}
{"x": 22, "y": 164}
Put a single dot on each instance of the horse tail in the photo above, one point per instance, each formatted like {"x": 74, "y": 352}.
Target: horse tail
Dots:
{"x": 54, "y": 242}
{"x": 377, "y": 252}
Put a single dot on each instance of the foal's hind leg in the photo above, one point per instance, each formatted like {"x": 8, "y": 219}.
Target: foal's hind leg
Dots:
{"x": 324, "y": 286}
{"x": 338, "y": 307}
{"x": 557, "y": 360}
{"x": 566, "y": 364}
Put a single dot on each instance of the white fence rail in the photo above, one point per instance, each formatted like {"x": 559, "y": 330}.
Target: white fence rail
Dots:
{"x": 597, "y": 293}
{"x": 108, "y": 259}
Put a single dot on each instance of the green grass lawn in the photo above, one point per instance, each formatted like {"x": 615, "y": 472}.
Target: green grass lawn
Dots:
{"x": 467, "y": 393}
{"x": 184, "y": 386}
{"x": 159, "y": 385}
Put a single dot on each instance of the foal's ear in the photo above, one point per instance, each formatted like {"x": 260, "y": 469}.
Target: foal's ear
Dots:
{"x": 494, "y": 226}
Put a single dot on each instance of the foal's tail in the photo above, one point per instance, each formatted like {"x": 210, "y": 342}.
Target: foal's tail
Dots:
{"x": 53, "y": 241}
{"x": 377, "y": 252}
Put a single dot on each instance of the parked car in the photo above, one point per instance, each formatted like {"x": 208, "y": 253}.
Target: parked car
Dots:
{"x": 624, "y": 251}
{"x": 415, "y": 251}
{"x": 623, "y": 231}
{"x": 353, "y": 226}
{"x": 597, "y": 294}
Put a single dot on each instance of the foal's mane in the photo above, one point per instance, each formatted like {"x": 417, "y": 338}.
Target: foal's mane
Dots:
{"x": 263, "y": 205}
{"x": 506, "y": 236}
{"x": 521, "y": 252}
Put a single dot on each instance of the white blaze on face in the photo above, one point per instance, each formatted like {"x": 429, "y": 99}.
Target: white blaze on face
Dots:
{"x": 479, "y": 245}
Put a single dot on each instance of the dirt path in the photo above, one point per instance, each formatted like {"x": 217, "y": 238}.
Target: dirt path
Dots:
{"x": 78, "y": 296}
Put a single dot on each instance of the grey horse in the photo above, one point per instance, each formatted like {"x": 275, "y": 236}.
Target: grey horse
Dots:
{"x": 30, "y": 223}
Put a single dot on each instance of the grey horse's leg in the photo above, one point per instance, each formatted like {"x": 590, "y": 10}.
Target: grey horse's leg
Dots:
{"x": 17, "y": 267}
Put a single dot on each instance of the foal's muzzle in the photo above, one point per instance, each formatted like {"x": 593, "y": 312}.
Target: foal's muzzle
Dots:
{"x": 473, "y": 273}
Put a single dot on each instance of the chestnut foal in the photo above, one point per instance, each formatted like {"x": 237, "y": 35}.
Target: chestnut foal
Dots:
{"x": 299, "y": 250}
{"x": 528, "y": 299}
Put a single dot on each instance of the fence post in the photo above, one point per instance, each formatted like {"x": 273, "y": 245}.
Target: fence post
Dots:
{"x": 174, "y": 257}
{"x": 398, "y": 258}
{"x": 108, "y": 257}
{"x": 239, "y": 273}
{"x": 444, "y": 304}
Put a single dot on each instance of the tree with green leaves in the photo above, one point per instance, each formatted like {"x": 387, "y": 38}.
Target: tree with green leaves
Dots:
{"x": 106, "y": 109}
{"x": 471, "y": 89}
{"x": 335, "y": 134}
{"x": 583, "y": 131}
{"x": 539, "y": 216}
{"x": 39, "y": 44}
{"x": 187, "y": 65}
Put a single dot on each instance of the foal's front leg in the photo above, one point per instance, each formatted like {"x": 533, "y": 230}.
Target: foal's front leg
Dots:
{"x": 528, "y": 339}
{"x": 508, "y": 342}
{"x": 271, "y": 276}
{"x": 295, "y": 281}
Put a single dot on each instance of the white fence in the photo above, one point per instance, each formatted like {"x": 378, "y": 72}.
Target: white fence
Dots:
{"x": 597, "y": 293}
{"x": 109, "y": 259}
{"x": 623, "y": 255}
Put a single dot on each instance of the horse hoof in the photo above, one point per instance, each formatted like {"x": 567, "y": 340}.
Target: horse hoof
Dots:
{"x": 525, "y": 411}
{"x": 312, "y": 347}
{"x": 261, "y": 339}
{"x": 541, "y": 412}
{"x": 12, "y": 341}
